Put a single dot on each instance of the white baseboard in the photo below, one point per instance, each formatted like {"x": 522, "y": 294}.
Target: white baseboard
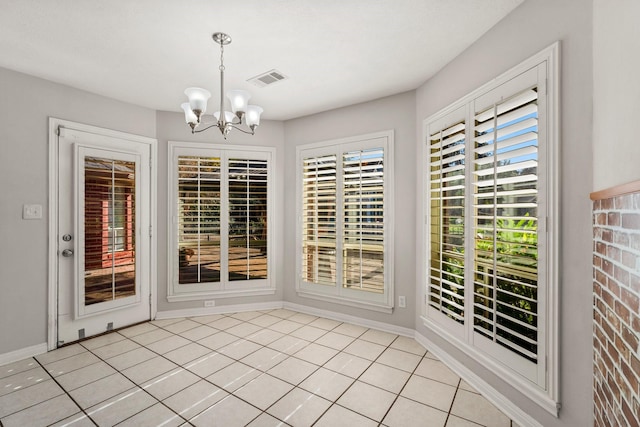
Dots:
{"x": 407, "y": 332}
{"x": 23, "y": 353}
{"x": 488, "y": 392}
{"x": 205, "y": 311}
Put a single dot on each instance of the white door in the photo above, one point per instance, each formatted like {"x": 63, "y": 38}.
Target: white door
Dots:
{"x": 103, "y": 233}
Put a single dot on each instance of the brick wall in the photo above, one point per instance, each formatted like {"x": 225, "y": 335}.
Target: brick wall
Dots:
{"x": 616, "y": 314}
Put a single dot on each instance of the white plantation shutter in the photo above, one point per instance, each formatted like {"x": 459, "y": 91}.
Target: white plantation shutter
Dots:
{"x": 198, "y": 219}
{"x": 247, "y": 182}
{"x": 490, "y": 260}
{"x": 446, "y": 169}
{"x": 363, "y": 220}
{"x": 319, "y": 219}
{"x": 344, "y": 221}
{"x": 505, "y": 223}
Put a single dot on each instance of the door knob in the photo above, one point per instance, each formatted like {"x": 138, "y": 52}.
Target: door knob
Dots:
{"x": 67, "y": 253}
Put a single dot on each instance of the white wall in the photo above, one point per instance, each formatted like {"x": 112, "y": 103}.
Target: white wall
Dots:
{"x": 395, "y": 112}
{"x": 26, "y": 103}
{"x": 616, "y": 92}
{"x": 531, "y": 27}
{"x": 171, "y": 127}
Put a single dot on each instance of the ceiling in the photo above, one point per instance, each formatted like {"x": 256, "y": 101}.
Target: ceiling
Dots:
{"x": 334, "y": 52}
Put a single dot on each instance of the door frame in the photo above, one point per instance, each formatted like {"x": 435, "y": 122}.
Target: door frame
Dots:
{"x": 52, "y": 276}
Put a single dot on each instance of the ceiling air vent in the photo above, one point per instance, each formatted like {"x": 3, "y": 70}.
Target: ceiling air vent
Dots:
{"x": 268, "y": 78}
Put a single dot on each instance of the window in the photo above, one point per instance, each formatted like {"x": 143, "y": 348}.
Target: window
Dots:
{"x": 344, "y": 230}
{"x": 247, "y": 219}
{"x": 490, "y": 280}
{"x": 109, "y": 228}
{"x": 220, "y": 227}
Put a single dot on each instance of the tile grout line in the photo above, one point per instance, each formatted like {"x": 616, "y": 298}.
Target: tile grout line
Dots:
{"x": 458, "y": 388}
{"x": 397, "y": 394}
{"x": 181, "y": 365}
{"x": 264, "y": 346}
{"x": 260, "y": 371}
{"x": 266, "y": 372}
{"x": 65, "y": 391}
{"x": 288, "y": 356}
{"x": 357, "y": 378}
{"x": 101, "y": 359}
{"x": 230, "y": 393}
{"x": 402, "y": 388}
{"x": 455, "y": 394}
{"x": 43, "y": 367}
{"x": 296, "y": 386}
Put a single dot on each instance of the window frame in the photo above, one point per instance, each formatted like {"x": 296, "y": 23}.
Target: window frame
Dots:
{"x": 224, "y": 288}
{"x": 383, "y": 302}
{"x": 544, "y": 389}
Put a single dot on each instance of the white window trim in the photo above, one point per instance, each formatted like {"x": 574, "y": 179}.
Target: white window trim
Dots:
{"x": 547, "y": 397}
{"x": 336, "y": 294}
{"x": 208, "y": 291}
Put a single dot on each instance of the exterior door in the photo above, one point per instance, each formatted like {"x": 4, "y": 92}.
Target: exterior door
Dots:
{"x": 103, "y": 233}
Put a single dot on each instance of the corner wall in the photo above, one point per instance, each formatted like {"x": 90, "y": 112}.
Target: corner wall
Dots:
{"x": 531, "y": 27}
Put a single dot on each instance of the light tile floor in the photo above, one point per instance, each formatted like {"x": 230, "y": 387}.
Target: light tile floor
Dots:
{"x": 262, "y": 368}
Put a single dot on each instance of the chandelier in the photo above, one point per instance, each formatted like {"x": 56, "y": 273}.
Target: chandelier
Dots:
{"x": 241, "y": 114}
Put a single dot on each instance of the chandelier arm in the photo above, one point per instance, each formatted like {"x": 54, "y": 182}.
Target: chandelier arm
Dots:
{"x": 229, "y": 124}
{"x": 241, "y": 130}
{"x": 207, "y": 128}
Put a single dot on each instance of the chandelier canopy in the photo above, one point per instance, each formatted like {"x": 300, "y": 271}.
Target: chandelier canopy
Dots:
{"x": 241, "y": 115}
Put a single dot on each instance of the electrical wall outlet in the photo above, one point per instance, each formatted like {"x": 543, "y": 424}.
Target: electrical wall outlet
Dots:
{"x": 210, "y": 303}
{"x": 32, "y": 212}
{"x": 402, "y": 301}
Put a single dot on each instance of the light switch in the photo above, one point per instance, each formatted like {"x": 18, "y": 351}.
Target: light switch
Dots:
{"x": 32, "y": 212}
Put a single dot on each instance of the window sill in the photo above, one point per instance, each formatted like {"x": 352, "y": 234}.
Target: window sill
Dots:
{"x": 379, "y": 307}
{"x": 198, "y": 296}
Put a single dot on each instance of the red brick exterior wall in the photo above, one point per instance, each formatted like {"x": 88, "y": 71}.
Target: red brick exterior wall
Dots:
{"x": 616, "y": 311}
